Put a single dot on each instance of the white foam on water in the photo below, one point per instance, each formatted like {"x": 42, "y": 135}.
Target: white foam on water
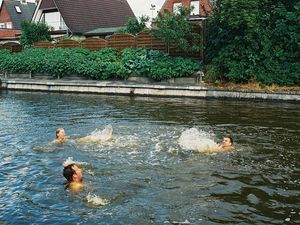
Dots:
{"x": 193, "y": 139}
{"x": 158, "y": 147}
{"x": 99, "y": 135}
{"x": 68, "y": 162}
{"x": 96, "y": 200}
{"x": 127, "y": 141}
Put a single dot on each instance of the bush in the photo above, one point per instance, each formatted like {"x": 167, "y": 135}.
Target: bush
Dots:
{"x": 157, "y": 65}
{"x": 103, "y": 64}
{"x": 254, "y": 40}
{"x": 6, "y": 60}
{"x": 172, "y": 68}
{"x": 34, "y": 32}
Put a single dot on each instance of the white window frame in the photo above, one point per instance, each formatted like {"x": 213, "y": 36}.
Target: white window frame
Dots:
{"x": 18, "y": 9}
{"x": 176, "y": 6}
{"x": 196, "y": 9}
{"x": 9, "y": 25}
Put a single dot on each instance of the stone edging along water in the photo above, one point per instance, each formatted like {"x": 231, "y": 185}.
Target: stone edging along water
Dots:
{"x": 138, "y": 89}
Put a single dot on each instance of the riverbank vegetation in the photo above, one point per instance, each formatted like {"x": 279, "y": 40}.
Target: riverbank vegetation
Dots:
{"x": 254, "y": 41}
{"x": 247, "y": 42}
{"x": 100, "y": 65}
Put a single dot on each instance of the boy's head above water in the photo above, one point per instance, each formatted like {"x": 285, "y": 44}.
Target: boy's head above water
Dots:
{"x": 60, "y": 134}
{"x": 72, "y": 173}
{"x": 227, "y": 141}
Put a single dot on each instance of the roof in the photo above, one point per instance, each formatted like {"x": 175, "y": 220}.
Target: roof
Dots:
{"x": 82, "y": 16}
{"x": 109, "y": 30}
{"x": 26, "y": 13}
{"x": 47, "y": 4}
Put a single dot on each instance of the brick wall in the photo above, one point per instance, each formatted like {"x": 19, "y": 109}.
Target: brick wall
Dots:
{"x": 205, "y": 8}
{"x": 4, "y": 16}
{"x": 9, "y": 34}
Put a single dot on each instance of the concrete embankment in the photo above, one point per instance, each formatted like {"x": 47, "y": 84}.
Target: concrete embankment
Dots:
{"x": 138, "y": 89}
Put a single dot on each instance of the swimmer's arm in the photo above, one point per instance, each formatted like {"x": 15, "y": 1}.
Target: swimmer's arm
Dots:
{"x": 219, "y": 149}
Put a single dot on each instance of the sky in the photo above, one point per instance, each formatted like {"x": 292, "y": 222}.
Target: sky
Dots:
{"x": 142, "y": 7}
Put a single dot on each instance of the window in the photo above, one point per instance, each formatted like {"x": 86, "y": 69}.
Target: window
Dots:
{"x": 2, "y": 25}
{"x": 54, "y": 20}
{"x": 18, "y": 9}
{"x": 9, "y": 25}
{"x": 176, "y": 7}
{"x": 195, "y": 5}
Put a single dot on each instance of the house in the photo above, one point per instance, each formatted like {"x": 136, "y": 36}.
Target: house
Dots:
{"x": 80, "y": 17}
{"x": 12, "y": 14}
{"x": 201, "y": 8}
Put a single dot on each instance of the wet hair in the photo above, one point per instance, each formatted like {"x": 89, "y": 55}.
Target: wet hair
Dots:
{"x": 68, "y": 172}
{"x": 230, "y": 138}
{"x": 57, "y": 131}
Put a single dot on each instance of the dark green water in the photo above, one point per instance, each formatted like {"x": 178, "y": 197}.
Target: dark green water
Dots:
{"x": 143, "y": 173}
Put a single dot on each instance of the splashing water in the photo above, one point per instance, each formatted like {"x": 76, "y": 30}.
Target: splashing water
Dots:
{"x": 193, "y": 139}
{"x": 99, "y": 135}
{"x": 96, "y": 200}
{"x": 68, "y": 162}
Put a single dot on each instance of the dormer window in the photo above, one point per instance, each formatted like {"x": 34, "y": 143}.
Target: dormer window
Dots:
{"x": 18, "y": 10}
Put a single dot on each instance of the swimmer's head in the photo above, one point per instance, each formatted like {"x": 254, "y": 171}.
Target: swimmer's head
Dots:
{"x": 72, "y": 173}
{"x": 227, "y": 141}
{"x": 60, "y": 133}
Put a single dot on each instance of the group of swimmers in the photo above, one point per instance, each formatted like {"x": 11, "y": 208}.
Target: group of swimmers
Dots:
{"x": 74, "y": 175}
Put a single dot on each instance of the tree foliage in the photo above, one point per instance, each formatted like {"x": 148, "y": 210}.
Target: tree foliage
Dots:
{"x": 176, "y": 30}
{"x": 134, "y": 25}
{"x": 34, "y": 32}
{"x": 255, "y": 40}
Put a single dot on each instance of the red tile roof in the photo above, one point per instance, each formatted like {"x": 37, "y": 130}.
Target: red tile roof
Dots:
{"x": 85, "y": 15}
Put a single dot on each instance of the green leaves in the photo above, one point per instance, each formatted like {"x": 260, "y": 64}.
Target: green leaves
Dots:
{"x": 100, "y": 65}
{"x": 33, "y": 32}
{"x": 157, "y": 65}
{"x": 134, "y": 25}
{"x": 250, "y": 40}
{"x": 176, "y": 30}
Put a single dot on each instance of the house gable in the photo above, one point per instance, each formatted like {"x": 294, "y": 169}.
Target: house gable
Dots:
{"x": 4, "y": 17}
{"x": 12, "y": 14}
{"x": 19, "y": 12}
{"x": 81, "y": 16}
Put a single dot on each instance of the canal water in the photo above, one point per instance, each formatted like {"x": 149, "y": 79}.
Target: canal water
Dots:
{"x": 143, "y": 176}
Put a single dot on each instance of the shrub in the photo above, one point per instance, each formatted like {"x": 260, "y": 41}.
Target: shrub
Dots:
{"x": 33, "y": 32}
{"x": 254, "y": 40}
{"x": 5, "y": 60}
{"x": 103, "y": 64}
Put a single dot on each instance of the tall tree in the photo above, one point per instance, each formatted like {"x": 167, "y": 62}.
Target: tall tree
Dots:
{"x": 175, "y": 29}
{"x": 255, "y": 40}
{"x": 134, "y": 25}
{"x": 33, "y": 32}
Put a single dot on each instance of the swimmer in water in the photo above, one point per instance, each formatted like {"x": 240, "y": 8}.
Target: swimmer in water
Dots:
{"x": 225, "y": 146}
{"x": 60, "y": 136}
{"x": 74, "y": 176}
{"x": 227, "y": 143}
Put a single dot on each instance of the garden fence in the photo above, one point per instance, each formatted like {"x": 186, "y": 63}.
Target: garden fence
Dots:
{"x": 119, "y": 41}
